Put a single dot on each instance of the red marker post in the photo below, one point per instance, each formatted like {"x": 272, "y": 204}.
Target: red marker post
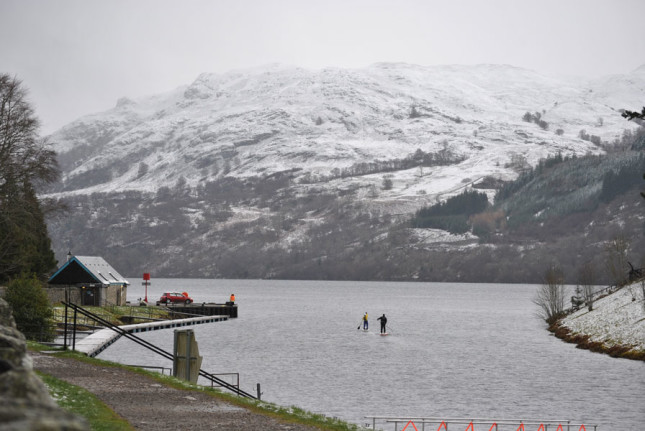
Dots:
{"x": 146, "y": 282}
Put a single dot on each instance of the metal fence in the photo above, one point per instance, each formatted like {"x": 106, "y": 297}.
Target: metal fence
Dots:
{"x": 473, "y": 424}
{"x": 213, "y": 378}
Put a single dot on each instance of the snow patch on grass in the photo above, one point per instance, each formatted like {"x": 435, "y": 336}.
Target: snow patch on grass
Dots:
{"x": 616, "y": 319}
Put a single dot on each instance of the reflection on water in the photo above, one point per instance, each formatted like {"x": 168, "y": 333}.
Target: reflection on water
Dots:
{"x": 455, "y": 350}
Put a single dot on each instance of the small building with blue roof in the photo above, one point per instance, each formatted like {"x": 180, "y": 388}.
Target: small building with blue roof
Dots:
{"x": 87, "y": 280}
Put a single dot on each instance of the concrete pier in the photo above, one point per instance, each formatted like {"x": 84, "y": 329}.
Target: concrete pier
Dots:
{"x": 204, "y": 309}
{"x": 95, "y": 343}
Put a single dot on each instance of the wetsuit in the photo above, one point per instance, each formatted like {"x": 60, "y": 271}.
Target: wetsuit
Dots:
{"x": 383, "y": 320}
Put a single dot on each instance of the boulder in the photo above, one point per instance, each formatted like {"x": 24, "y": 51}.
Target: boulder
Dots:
{"x": 25, "y": 403}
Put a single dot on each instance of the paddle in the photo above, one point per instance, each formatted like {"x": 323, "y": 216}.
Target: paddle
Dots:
{"x": 361, "y": 323}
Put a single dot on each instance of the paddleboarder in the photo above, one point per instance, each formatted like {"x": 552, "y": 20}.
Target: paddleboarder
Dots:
{"x": 383, "y": 320}
{"x": 365, "y": 324}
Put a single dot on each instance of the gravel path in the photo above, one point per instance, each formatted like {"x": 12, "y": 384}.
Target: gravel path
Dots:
{"x": 148, "y": 405}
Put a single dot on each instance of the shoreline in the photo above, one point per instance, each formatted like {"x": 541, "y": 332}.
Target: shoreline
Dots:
{"x": 584, "y": 341}
{"x": 615, "y": 326}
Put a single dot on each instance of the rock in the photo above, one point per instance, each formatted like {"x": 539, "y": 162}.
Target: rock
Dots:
{"x": 25, "y": 403}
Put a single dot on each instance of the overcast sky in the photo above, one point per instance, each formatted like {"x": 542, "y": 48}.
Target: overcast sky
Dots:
{"x": 79, "y": 56}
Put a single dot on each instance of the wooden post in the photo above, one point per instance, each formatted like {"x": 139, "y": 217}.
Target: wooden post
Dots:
{"x": 65, "y": 329}
{"x": 74, "y": 333}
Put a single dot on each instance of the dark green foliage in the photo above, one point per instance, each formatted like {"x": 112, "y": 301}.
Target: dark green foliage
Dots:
{"x": 628, "y": 176}
{"x": 443, "y": 157}
{"x": 638, "y": 142}
{"x": 387, "y": 183}
{"x": 24, "y": 240}
{"x": 452, "y": 223}
{"x": 591, "y": 138}
{"x": 630, "y": 115}
{"x": 451, "y": 215}
{"x": 512, "y": 187}
{"x": 467, "y": 203}
{"x": 25, "y": 163}
{"x": 31, "y": 308}
{"x": 568, "y": 187}
{"x": 535, "y": 118}
{"x": 90, "y": 178}
{"x": 561, "y": 190}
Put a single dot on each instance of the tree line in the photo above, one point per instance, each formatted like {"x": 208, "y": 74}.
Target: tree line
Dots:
{"x": 419, "y": 158}
{"x": 453, "y": 214}
{"x": 26, "y": 163}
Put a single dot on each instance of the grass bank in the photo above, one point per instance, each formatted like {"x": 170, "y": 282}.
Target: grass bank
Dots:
{"x": 83, "y": 403}
{"x": 104, "y": 420}
{"x": 117, "y": 315}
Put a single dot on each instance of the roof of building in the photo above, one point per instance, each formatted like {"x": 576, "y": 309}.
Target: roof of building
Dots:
{"x": 87, "y": 269}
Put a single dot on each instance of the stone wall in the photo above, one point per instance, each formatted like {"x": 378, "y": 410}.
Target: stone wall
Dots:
{"x": 116, "y": 295}
{"x": 57, "y": 294}
{"x": 111, "y": 295}
{"x": 25, "y": 403}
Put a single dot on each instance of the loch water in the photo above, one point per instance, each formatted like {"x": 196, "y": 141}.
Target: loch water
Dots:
{"x": 454, "y": 350}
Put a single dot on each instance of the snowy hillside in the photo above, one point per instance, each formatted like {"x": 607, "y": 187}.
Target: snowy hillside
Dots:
{"x": 318, "y": 122}
{"x": 616, "y": 320}
{"x": 281, "y": 172}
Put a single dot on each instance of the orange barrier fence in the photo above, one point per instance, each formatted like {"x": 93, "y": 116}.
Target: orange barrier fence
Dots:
{"x": 456, "y": 424}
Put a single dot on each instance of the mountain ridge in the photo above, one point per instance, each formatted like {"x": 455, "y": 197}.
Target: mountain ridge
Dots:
{"x": 287, "y": 172}
{"x": 360, "y": 112}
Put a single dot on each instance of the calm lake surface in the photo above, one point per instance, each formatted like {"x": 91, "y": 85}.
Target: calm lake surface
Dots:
{"x": 455, "y": 350}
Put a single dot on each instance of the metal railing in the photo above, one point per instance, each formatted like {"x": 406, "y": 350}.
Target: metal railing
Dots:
{"x": 163, "y": 369}
{"x": 209, "y": 376}
{"x": 237, "y": 379}
{"x": 457, "y": 424}
{"x": 595, "y": 295}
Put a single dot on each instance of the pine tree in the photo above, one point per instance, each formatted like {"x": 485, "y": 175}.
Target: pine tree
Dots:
{"x": 630, "y": 115}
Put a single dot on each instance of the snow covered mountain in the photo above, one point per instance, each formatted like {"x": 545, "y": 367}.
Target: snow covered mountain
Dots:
{"x": 272, "y": 119}
{"x": 286, "y": 172}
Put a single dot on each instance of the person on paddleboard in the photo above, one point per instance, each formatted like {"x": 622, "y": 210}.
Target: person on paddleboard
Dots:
{"x": 383, "y": 320}
{"x": 365, "y": 325}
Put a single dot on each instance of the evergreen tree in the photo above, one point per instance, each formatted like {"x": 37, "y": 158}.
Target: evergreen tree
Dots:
{"x": 451, "y": 215}
{"x": 631, "y": 115}
{"x": 25, "y": 163}
{"x": 31, "y": 308}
